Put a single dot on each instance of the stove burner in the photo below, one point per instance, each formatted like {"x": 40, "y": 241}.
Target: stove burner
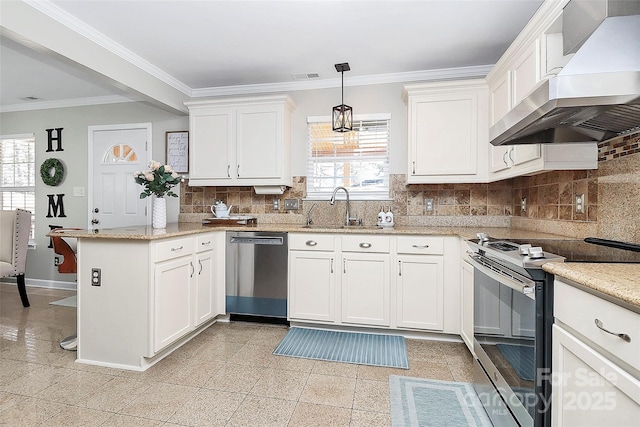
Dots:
{"x": 502, "y": 246}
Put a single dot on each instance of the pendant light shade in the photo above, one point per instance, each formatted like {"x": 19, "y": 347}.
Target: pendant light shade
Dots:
{"x": 342, "y": 115}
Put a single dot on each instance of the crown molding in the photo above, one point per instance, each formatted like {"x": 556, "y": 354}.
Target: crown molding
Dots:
{"x": 68, "y": 20}
{"x": 479, "y": 71}
{"x": 65, "y": 103}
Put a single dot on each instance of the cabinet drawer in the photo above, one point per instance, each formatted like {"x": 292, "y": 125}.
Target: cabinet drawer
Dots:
{"x": 173, "y": 249}
{"x": 365, "y": 243}
{"x": 312, "y": 242}
{"x": 569, "y": 308}
{"x": 421, "y": 245}
{"x": 204, "y": 243}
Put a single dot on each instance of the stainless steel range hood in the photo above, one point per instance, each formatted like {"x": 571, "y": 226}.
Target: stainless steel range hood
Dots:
{"x": 596, "y": 96}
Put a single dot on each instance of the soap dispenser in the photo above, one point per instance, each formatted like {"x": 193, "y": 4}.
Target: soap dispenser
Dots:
{"x": 389, "y": 216}
{"x": 382, "y": 216}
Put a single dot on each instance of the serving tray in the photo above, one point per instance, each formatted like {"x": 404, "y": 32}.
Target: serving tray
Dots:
{"x": 234, "y": 220}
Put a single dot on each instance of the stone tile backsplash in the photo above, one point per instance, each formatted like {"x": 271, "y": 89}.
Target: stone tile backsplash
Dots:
{"x": 550, "y": 200}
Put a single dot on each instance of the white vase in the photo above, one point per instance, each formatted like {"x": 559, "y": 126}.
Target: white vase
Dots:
{"x": 159, "y": 218}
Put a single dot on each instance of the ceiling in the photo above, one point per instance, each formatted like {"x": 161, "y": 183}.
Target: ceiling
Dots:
{"x": 203, "y": 47}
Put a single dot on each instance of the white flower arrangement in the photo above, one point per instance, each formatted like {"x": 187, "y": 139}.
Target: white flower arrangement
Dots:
{"x": 158, "y": 180}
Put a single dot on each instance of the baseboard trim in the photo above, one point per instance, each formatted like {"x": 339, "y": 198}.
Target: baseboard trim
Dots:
{"x": 41, "y": 283}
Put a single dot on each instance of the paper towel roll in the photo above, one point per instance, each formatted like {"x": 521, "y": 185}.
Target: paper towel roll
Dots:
{"x": 270, "y": 189}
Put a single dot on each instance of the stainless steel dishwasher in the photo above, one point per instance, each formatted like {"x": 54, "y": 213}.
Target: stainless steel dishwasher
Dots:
{"x": 256, "y": 275}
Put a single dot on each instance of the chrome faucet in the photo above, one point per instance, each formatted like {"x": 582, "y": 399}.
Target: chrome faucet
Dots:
{"x": 332, "y": 201}
{"x": 309, "y": 220}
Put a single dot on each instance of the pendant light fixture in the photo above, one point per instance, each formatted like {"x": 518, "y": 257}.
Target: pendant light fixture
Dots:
{"x": 342, "y": 117}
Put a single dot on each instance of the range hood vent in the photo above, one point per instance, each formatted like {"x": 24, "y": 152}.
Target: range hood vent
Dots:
{"x": 596, "y": 96}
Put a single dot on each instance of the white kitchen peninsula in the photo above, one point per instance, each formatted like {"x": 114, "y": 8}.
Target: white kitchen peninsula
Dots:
{"x": 143, "y": 292}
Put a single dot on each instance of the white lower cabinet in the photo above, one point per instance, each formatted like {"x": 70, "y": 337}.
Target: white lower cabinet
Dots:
{"x": 365, "y": 289}
{"x": 154, "y": 296}
{"x": 419, "y": 292}
{"x": 397, "y": 282}
{"x": 172, "y": 308}
{"x": 466, "y": 306}
{"x": 313, "y": 296}
{"x": 595, "y": 373}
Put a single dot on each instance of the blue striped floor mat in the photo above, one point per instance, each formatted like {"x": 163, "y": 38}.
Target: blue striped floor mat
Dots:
{"x": 349, "y": 347}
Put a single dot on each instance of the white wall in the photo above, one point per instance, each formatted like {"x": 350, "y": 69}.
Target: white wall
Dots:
{"x": 75, "y": 122}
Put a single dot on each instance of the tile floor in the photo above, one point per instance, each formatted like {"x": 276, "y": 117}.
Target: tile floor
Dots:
{"x": 226, "y": 376}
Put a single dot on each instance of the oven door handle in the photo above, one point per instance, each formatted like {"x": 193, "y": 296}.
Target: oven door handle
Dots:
{"x": 515, "y": 281}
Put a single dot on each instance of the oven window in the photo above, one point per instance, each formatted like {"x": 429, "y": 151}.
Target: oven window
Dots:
{"x": 504, "y": 326}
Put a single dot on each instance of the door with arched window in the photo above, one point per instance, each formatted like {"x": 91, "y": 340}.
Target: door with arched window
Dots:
{"x": 115, "y": 153}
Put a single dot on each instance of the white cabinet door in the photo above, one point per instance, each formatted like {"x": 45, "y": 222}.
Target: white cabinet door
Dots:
{"x": 259, "y": 142}
{"x": 212, "y": 135}
{"x": 173, "y": 296}
{"x": 500, "y": 157}
{"x": 420, "y": 292}
{"x": 204, "y": 287}
{"x": 500, "y": 98}
{"x": 444, "y": 134}
{"x": 588, "y": 389}
{"x": 466, "y": 278}
{"x": 526, "y": 71}
{"x": 447, "y": 122}
{"x": 365, "y": 289}
{"x": 312, "y": 286}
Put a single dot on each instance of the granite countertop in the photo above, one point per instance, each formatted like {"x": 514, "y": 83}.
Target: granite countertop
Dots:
{"x": 619, "y": 281}
{"x": 187, "y": 228}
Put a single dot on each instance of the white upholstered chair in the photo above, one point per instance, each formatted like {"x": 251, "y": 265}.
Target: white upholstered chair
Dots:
{"x": 15, "y": 227}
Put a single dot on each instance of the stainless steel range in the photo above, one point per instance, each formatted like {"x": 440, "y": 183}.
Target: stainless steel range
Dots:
{"x": 513, "y": 315}
{"x": 512, "y": 329}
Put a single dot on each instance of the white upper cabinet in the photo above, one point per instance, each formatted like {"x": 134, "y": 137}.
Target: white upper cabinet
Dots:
{"x": 240, "y": 141}
{"x": 534, "y": 56}
{"x": 447, "y": 123}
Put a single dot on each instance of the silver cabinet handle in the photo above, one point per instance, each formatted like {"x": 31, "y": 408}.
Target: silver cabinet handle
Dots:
{"x": 228, "y": 173}
{"x": 504, "y": 159}
{"x": 414, "y": 168}
{"x": 421, "y": 246}
{"x": 365, "y": 245}
{"x": 207, "y": 243}
{"x": 332, "y": 265}
{"x": 200, "y": 264}
{"x": 311, "y": 243}
{"x": 344, "y": 266}
{"x": 177, "y": 249}
{"x": 623, "y": 337}
{"x": 193, "y": 269}
{"x": 399, "y": 268}
{"x": 238, "y": 170}
{"x": 513, "y": 162}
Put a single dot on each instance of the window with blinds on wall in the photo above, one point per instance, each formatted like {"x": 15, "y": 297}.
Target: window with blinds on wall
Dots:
{"x": 17, "y": 173}
{"x": 357, "y": 160}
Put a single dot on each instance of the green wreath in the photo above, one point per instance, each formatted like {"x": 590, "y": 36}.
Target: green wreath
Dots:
{"x": 58, "y": 172}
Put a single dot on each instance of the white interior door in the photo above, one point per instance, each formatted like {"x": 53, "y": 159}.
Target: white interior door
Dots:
{"x": 115, "y": 153}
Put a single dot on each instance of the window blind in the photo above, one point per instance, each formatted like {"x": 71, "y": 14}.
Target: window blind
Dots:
{"x": 17, "y": 174}
{"x": 357, "y": 160}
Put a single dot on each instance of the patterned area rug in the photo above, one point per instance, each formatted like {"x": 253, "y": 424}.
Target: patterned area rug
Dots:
{"x": 67, "y": 302}
{"x": 349, "y": 347}
{"x": 420, "y": 402}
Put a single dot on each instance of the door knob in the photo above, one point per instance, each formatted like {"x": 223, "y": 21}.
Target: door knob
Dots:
{"x": 94, "y": 221}
{"x": 96, "y": 210}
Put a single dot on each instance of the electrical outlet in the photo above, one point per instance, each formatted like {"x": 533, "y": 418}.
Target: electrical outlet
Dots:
{"x": 291, "y": 204}
{"x": 96, "y": 277}
{"x": 580, "y": 203}
{"x": 56, "y": 261}
{"x": 523, "y": 204}
{"x": 428, "y": 205}
{"x": 276, "y": 204}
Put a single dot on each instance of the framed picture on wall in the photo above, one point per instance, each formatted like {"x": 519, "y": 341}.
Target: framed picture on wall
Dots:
{"x": 178, "y": 150}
